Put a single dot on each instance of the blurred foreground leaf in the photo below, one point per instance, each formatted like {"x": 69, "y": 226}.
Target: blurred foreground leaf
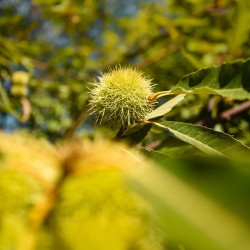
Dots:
{"x": 189, "y": 216}
{"x": 74, "y": 197}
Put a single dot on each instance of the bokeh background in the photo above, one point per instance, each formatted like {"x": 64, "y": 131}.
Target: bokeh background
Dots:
{"x": 64, "y": 45}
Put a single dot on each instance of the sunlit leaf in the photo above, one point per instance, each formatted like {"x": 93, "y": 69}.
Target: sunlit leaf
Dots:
{"x": 228, "y": 80}
{"x": 207, "y": 140}
{"x": 165, "y": 108}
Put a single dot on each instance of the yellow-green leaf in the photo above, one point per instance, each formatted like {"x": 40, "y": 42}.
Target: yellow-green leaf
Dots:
{"x": 165, "y": 108}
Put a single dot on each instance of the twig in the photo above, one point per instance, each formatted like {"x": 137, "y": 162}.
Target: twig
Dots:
{"x": 79, "y": 120}
{"x": 41, "y": 211}
{"x": 26, "y": 109}
{"x": 152, "y": 145}
{"x": 226, "y": 115}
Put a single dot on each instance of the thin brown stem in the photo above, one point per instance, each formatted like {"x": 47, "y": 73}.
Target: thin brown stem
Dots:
{"x": 76, "y": 124}
{"x": 26, "y": 109}
{"x": 226, "y": 115}
{"x": 41, "y": 211}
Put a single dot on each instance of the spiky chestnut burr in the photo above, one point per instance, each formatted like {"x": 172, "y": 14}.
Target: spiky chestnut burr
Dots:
{"x": 121, "y": 97}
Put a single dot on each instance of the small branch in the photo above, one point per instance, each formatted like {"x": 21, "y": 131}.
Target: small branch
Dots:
{"x": 152, "y": 145}
{"x": 79, "y": 120}
{"x": 41, "y": 211}
{"x": 227, "y": 114}
{"x": 26, "y": 109}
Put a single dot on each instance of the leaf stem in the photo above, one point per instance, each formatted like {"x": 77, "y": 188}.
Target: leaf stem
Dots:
{"x": 155, "y": 123}
{"x": 160, "y": 94}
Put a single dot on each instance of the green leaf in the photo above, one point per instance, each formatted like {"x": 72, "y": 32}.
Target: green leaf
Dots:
{"x": 207, "y": 140}
{"x": 228, "y": 80}
{"x": 165, "y": 108}
{"x": 188, "y": 215}
{"x": 136, "y": 134}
